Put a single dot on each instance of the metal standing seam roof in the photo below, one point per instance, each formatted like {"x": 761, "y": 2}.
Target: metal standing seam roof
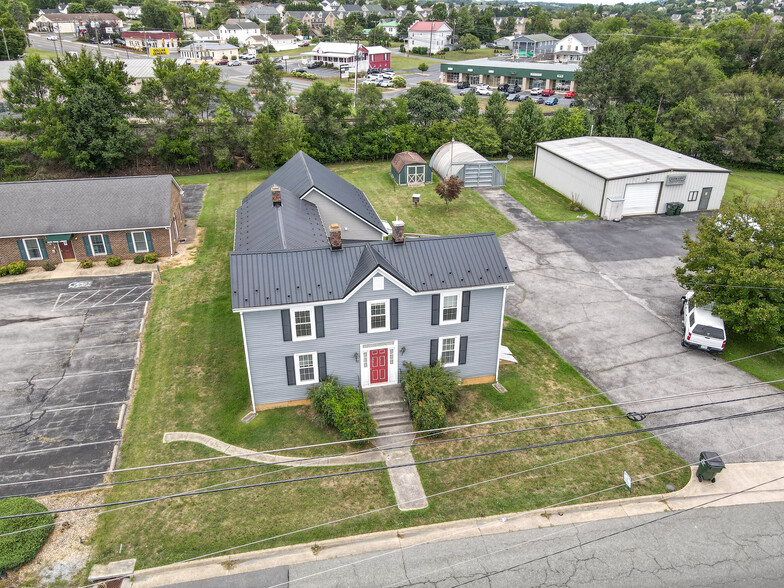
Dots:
{"x": 275, "y": 278}
{"x": 84, "y": 205}
{"x": 302, "y": 173}
{"x": 619, "y": 157}
{"x": 404, "y": 158}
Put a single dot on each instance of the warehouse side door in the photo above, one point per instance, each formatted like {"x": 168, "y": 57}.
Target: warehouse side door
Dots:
{"x": 641, "y": 198}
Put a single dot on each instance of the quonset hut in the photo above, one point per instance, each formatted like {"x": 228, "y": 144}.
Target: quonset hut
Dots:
{"x": 458, "y": 159}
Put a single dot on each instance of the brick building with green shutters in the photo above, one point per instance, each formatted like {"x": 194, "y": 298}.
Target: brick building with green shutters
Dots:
{"x": 90, "y": 218}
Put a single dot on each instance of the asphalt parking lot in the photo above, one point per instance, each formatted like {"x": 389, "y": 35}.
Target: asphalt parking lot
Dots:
{"x": 69, "y": 349}
{"x": 634, "y": 237}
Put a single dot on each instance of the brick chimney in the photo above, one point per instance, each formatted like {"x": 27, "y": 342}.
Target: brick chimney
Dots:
{"x": 398, "y": 232}
{"x": 335, "y": 240}
{"x": 276, "y": 196}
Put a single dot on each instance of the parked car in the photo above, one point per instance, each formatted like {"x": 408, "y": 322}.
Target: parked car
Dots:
{"x": 222, "y": 62}
{"x": 490, "y": 45}
{"x": 701, "y": 328}
{"x": 255, "y": 61}
{"x": 570, "y": 94}
{"x": 539, "y": 100}
{"x": 51, "y": 38}
{"x": 484, "y": 91}
{"x": 301, "y": 70}
{"x": 304, "y": 44}
{"x": 244, "y": 56}
{"x": 314, "y": 65}
{"x": 373, "y": 70}
{"x": 238, "y": 62}
{"x": 514, "y": 89}
{"x": 503, "y": 87}
{"x": 385, "y": 84}
{"x": 536, "y": 91}
{"x": 468, "y": 90}
{"x": 551, "y": 101}
{"x": 387, "y": 75}
{"x": 461, "y": 85}
{"x": 511, "y": 97}
{"x": 388, "y": 70}
{"x": 548, "y": 92}
{"x": 522, "y": 98}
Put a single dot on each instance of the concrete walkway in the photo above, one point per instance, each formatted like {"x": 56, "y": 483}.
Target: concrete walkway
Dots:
{"x": 390, "y": 411}
{"x": 373, "y": 456}
{"x": 733, "y": 483}
{"x": 617, "y": 322}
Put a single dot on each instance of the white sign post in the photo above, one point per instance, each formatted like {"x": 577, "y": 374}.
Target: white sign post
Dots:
{"x": 627, "y": 479}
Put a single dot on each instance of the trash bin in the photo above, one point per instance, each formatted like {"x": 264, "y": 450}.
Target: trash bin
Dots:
{"x": 672, "y": 208}
{"x": 680, "y": 207}
{"x": 710, "y": 465}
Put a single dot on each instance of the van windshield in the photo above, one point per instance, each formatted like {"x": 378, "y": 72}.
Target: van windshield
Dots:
{"x": 706, "y": 331}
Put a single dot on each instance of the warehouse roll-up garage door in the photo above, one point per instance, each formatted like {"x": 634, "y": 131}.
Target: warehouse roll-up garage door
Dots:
{"x": 641, "y": 198}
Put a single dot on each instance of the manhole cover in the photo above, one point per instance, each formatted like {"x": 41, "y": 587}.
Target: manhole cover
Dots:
{"x": 82, "y": 284}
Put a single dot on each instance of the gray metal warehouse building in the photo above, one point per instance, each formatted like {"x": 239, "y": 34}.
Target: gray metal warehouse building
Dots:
{"x": 458, "y": 159}
{"x": 614, "y": 177}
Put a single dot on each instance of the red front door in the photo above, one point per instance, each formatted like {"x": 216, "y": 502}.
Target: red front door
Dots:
{"x": 378, "y": 366}
{"x": 66, "y": 250}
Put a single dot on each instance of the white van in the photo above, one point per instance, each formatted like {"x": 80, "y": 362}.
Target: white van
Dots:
{"x": 701, "y": 328}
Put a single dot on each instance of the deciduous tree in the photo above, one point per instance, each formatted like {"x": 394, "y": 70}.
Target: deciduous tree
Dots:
{"x": 450, "y": 189}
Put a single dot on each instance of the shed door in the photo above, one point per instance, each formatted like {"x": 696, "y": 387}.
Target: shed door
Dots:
{"x": 641, "y": 198}
{"x": 478, "y": 174}
{"x": 416, "y": 175}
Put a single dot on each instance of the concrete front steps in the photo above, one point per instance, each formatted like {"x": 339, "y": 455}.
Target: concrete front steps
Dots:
{"x": 390, "y": 411}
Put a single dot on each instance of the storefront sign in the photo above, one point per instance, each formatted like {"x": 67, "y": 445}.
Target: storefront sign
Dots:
{"x": 676, "y": 180}
{"x": 535, "y": 75}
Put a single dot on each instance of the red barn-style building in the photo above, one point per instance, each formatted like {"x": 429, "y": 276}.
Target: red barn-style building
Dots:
{"x": 379, "y": 57}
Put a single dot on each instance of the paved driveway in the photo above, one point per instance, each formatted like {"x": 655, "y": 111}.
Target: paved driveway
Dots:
{"x": 69, "y": 349}
{"x": 589, "y": 291}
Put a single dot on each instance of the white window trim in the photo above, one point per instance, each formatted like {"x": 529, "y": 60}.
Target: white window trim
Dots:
{"x": 459, "y": 295}
{"x": 315, "y": 379}
{"x": 92, "y": 247}
{"x": 146, "y": 246}
{"x": 370, "y": 304}
{"x": 27, "y": 251}
{"x": 312, "y": 311}
{"x": 441, "y": 350}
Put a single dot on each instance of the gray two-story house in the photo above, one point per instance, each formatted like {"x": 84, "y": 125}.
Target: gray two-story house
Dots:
{"x": 321, "y": 291}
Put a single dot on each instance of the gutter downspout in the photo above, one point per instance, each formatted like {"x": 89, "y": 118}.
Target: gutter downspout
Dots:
{"x": 500, "y": 334}
{"x": 171, "y": 243}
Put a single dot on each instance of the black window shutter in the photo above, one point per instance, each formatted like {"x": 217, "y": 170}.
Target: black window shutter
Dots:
{"x": 463, "y": 350}
{"x": 362, "y": 309}
{"x": 393, "y": 314}
{"x": 466, "y": 306}
{"x": 319, "y": 321}
{"x": 292, "y": 380}
{"x": 433, "y": 352}
{"x": 435, "y": 315}
{"x": 22, "y": 250}
{"x": 322, "y": 361}
{"x": 285, "y": 318}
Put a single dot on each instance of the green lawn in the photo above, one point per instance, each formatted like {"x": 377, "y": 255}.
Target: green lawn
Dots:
{"x": 760, "y": 185}
{"x": 464, "y": 55}
{"x": 400, "y": 62}
{"x": 765, "y": 367}
{"x": 41, "y": 52}
{"x": 468, "y": 214}
{"x": 541, "y": 200}
{"x": 192, "y": 377}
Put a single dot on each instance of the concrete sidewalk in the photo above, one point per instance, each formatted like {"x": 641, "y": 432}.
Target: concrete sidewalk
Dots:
{"x": 736, "y": 478}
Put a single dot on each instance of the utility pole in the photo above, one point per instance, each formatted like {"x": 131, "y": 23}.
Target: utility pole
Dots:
{"x": 55, "y": 47}
{"x": 97, "y": 39}
{"x": 8, "y": 55}
{"x": 60, "y": 37}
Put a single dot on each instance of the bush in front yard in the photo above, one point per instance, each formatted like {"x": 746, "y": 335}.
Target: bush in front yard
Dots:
{"x": 151, "y": 257}
{"x": 20, "y": 548}
{"x": 431, "y": 392}
{"x": 48, "y": 266}
{"x": 3, "y": 271}
{"x": 423, "y": 66}
{"x": 113, "y": 261}
{"x": 138, "y": 259}
{"x": 343, "y": 408}
{"x": 17, "y": 268}
{"x": 86, "y": 264}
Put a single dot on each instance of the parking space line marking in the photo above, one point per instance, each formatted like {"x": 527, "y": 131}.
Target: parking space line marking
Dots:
{"x": 73, "y": 376}
{"x": 63, "y": 409}
{"x": 60, "y": 295}
{"x": 18, "y": 453}
{"x": 142, "y": 294}
{"x": 124, "y": 295}
{"x": 85, "y": 300}
{"x": 79, "y": 348}
{"x": 104, "y": 298}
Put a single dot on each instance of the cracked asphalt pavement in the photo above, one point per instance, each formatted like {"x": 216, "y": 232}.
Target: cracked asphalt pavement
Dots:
{"x": 720, "y": 546}
{"x": 69, "y": 348}
{"x": 603, "y": 295}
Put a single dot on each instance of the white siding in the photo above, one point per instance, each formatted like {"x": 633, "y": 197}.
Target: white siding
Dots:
{"x": 351, "y": 226}
{"x": 695, "y": 182}
{"x": 570, "y": 180}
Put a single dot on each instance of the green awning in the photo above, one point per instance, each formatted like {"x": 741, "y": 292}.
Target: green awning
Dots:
{"x": 54, "y": 238}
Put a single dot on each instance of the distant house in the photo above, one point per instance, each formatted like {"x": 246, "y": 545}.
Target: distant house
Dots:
{"x": 351, "y": 56}
{"x": 261, "y": 12}
{"x": 205, "y": 35}
{"x": 130, "y": 12}
{"x": 71, "y": 24}
{"x": 188, "y": 20}
{"x": 433, "y": 36}
{"x": 505, "y": 42}
{"x": 207, "y": 51}
{"x": 143, "y": 40}
{"x": 90, "y": 218}
{"x": 238, "y": 28}
{"x": 319, "y": 292}
{"x": 379, "y": 57}
{"x": 277, "y": 42}
{"x": 390, "y": 28}
{"x": 573, "y": 48}
{"x": 534, "y": 45}
{"x": 409, "y": 169}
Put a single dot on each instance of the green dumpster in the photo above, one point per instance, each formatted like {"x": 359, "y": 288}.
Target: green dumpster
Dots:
{"x": 680, "y": 207}
{"x": 710, "y": 465}
{"x": 672, "y": 208}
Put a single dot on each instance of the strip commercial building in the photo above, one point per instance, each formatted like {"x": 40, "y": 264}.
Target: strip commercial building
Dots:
{"x": 527, "y": 75}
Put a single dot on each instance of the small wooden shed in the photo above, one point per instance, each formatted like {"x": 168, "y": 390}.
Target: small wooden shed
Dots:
{"x": 409, "y": 169}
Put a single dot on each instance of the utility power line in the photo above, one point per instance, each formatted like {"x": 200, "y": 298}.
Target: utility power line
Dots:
{"x": 424, "y": 462}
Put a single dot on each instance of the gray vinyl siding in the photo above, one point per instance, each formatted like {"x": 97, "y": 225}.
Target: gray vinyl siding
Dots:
{"x": 352, "y": 227}
{"x": 342, "y": 340}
